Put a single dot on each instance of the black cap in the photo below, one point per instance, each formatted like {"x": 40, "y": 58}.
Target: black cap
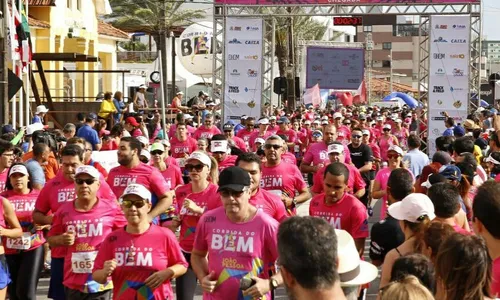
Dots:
{"x": 233, "y": 178}
{"x": 227, "y": 127}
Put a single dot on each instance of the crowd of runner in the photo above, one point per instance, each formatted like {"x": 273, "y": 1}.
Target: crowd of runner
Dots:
{"x": 214, "y": 204}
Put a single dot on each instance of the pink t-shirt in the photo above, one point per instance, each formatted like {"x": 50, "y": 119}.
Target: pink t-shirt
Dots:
{"x": 173, "y": 128}
{"x": 137, "y": 257}
{"x": 59, "y": 191}
{"x": 348, "y": 214}
{"x": 354, "y": 183}
{"x": 227, "y": 162}
{"x": 273, "y": 129}
{"x": 90, "y": 228}
{"x": 318, "y": 154}
{"x": 236, "y": 250}
{"x": 170, "y": 161}
{"x": 245, "y": 134}
{"x": 208, "y": 199}
{"x": 173, "y": 176}
{"x": 204, "y": 132}
{"x": 269, "y": 203}
{"x": 289, "y": 158}
{"x": 23, "y": 206}
{"x": 240, "y": 143}
{"x": 344, "y": 135}
{"x": 255, "y": 135}
{"x": 383, "y": 177}
{"x": 3, "y": 179}
{"x": 309, "y": 116}
{"x": 120, "y": 177}
{"x": 495, "y": 283}
{"x": 290, "y": 134}
{"x": 178, "y": 148}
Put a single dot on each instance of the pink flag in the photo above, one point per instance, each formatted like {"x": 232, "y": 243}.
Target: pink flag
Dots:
{"x": 360, "y": 97}
{"x": 313, "y": 96}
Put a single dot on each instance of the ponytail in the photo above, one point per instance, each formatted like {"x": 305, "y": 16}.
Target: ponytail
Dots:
{"x": 418, "y": 230}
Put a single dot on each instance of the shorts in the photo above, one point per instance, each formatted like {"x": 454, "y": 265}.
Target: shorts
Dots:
{"x": 4, "y": 272}
{"x": 77, "y": 295}
{"x": 56, "y": 288}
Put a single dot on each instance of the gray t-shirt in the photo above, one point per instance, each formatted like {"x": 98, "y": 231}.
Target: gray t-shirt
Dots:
{"x": 36, "y": 171}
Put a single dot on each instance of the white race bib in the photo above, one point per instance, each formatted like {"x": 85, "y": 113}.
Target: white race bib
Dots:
{"x": 276, "y": 192}
{"x": 83, "y": 262}
{"x": 21, "y": 243}
{"x": 181, "y": 162}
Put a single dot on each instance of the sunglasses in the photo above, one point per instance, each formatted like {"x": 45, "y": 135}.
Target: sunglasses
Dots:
{"x": 356, "y": 136}
{"x": 274, "y": 146}
{"x": 347, "y": 123}
{"x": 197, "y": 168}
{"x": 129, "y": 203}
{"x": 227, "y": 131}
{"x": 87, "y": 181}
{"x": 386, "y": 129}
{"x": 229, "y": 193}
{"x": 392, "y": 156}
{"x": 157, "y": 152}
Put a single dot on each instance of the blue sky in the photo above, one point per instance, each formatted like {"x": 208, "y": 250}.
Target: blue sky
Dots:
{"x": 491, "y": 10}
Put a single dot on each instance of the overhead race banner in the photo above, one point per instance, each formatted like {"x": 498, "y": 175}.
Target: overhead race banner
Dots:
{"x": 351, "y": 2}
{"x": 448, "y": 73}
{"x": 243, "y": 74}
{"x": 335, "y": 68}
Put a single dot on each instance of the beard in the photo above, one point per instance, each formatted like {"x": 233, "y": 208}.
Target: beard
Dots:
{"x": 125, "y": 161}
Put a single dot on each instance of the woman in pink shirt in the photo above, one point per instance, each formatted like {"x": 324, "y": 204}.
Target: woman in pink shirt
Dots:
{"x": 386, "y": 141}
{"x": 133, "y": 127}
{"x": 401, "y": 133}
{"x": 25, "y": 255}
{"x": 142, "y": 253}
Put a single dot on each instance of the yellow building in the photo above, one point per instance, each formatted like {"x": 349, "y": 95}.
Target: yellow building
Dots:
{"x": 73, "y": 26}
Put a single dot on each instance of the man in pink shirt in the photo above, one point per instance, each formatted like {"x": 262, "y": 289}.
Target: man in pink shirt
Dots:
{"x": 131, "y": 170}
{"x": 234, "y": 243}
{"x": 247, "y": 131}
{"x": 6, "y": 160}
{"x": 233, "y": 140}
{"x": 337, "y": 207}
{"x": 285, "y": 129}
{"x": 81, "y": 227}
{"x": 220, "y": 151}
{"x": 207, "y": 130}
{"x": 356, "y": 185}
{"x": 343, "y": 132}
{"x": 273, "y": 127}
{"x": 262, "y": 133}
{"x": 282, "y": 179}
{"x": 486, "y": 211}
{"x": 260, "y": 198}
{"x": 182, "y": 145}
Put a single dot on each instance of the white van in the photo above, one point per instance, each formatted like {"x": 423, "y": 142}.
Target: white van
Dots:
{"x": 388, "y": 104}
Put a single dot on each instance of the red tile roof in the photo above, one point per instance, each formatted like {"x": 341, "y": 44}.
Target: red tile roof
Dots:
{"x": 104, "y": 28}
{"x": 42, "y": 2}
{"x": 35, "y": 23}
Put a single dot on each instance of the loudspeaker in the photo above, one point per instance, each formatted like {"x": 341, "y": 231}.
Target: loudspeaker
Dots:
{"x": 279, "y": 85}
{"x": 297, "y": 87}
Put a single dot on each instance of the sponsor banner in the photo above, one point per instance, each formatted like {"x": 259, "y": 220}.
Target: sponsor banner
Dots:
{"x": 243, "y": 76}
{"x": 448, "y": 72}
{"x": 335, "y": 68}
{"x": 107, "y": 159}
{"x": 349, "y": 2}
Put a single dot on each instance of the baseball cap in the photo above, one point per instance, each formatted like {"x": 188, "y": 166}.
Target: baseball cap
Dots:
{"x": 138, "y": 190}
{"x": 362, "y": 117}
{"x": 165, "y": 143}
{"x": 146, "y": 154}
{"x": 380, "y": 118}
{"x": 491, "y": 158}
{"x": 233, "y": 178}
{"x": 33, "y": 127}
{"x": 283, "y": 120}
{"x": 324, "y": 122}
{"x": 18, "y": 169}
{"x": 89, "y": 170}
{"x": 7, "y": 128}
{"x": 201, "y": 157}
{"x": 143, "y": 140}
{"x": 263, "y": 121}
{"x": 260, "y": 140}
{"x": 317, "y": 133}
{"x": 452, "y": 172}
{"x": 92, "y": 116}
{"x": 324, "y": 118}
{"x": 352, "y": 270}
{"x": 458, "y": 131}
{"x": 210, "y": 103}
{"x": 396, "y": 149}
{"x": 387, "y": 126}
{"x": 227, "y": 127}
{"x": 316, "y": 122}
{"x": 218, "y": 146}
{"x": 157, "y": 146}
{"x": 307, "y": 122}
{"x": 337, "y": 115}
{"x": 413, "y": 208}
{"x": 187, "y": 116}
{"x": 132, "y": 121}
{"x": 243, "y": 117}
{"x": 399, "y": 121}
{"x": 365, "y": 132}
{"x": 335, "y": 148}
{"x": 272, "y": 118}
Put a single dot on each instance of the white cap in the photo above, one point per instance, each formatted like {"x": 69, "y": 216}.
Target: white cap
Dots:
{"x": 408, "y": 115}
{"x": 272, "y": 118}
{"x": 316, "y": 122}
{"x": 142, "y": 86}
{"x": 201, "y": 157}
{"x": 352, "y": 270}
{"x": 33, "y": 127}
{"x": 165, "y": 143}
{"x": 387, "y": 126}
{"x": 492, "y": 160}
{"x": 218, "y": 146}
{"x": 41, "y": 109}
{"x": 260, "y": 140}
{"x": 89, "y": 170}
{"x": 187, "y": 116}
{"x": 399, "y": 121}
{"x": 263, "y": 121}
{"x": 180, "y": 93}
{"x": 394, "y": 116}
{"x": 337, "y": 115}
{"x": 413, "y": 207}
{"x": 145, "y": 153}
{"x": 365, "y": 132}
{"x": 137, "y": 189}
{"x": 18, "y": 169}
{"x": 396, "y": 149}
{"x": 480, "y": 109}
{"x": 335, "y": 148}
{"x": 380, "y": 118}
{"x": 307, "y": 122}
{"x": 143, "y": 140}
{"x": 324, "y": 118}
{"x": 324, "y": 122}
{"x": 348, "y": 114}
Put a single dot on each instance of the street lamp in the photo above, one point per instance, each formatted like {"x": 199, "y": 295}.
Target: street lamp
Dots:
{"x": 390, "y": 63}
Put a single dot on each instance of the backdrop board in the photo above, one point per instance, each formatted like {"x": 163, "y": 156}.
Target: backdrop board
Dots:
{"x": 355, "y": 2}
{"x": 243, "y": 65}
{"x": 449, "y": 56}
{"x": 335, "y": 68}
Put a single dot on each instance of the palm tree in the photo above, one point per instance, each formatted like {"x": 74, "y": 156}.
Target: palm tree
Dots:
{"x": 154, "y": 17}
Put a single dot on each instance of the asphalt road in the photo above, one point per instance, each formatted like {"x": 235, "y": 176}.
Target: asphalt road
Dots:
{"x": 43, "y": 286}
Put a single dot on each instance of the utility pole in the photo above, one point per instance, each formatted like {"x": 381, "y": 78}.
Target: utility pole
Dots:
{"x": 172, "y": 39}
{"x": 162, "y": 52}
{"x": 369, "y": 49}
{"x": 291, "y": 64}
{"x": 4, "y": 107}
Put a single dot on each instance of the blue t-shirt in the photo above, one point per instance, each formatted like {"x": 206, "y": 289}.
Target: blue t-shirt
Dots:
{"x": 89, "y": 134}
{"x": 36, "y": 171}
{"x": 36, "y": 119}
{"x": 449, "y": 132}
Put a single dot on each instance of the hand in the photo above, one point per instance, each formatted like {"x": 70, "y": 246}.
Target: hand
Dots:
{"x": 286, "y": 200}
{"x": 158, "y": 278}
{"x": 68, "y": 238}
{"x": 319, "y": 166}
{"x": 109, "y": 267}
{"x": 406, "y": 164}
{"x": 259, "y": 289}
{"x": 190, "y": 205}
{"x": 208, "y": 282}
{"x": 41, "y": 227}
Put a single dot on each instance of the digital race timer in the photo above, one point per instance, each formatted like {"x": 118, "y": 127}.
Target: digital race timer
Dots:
{"x": 347, "y": 21}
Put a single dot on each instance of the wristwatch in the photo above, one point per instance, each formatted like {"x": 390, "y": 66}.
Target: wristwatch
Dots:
{"x": 294, "y": 201}
{"x": 273, "y": 283}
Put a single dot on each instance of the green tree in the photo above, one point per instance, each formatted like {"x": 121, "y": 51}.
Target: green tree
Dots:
{"x": 154, "y": 17}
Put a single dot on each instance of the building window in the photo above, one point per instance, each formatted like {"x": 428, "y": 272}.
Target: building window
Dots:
{"x": 386, "y": 64}
{"x": 68, "y": 3}
{"x": 387, "y": 46}
{"x": 79, "y": 5}
{"x": 367, "y": 28}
